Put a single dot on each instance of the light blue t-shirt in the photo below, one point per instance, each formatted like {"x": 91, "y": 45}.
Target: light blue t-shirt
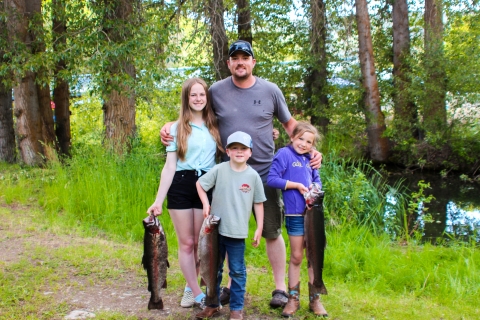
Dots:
{"x": 201, "y": 148}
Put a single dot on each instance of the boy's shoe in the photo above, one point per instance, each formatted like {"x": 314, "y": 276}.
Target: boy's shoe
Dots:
{"x": 207, "y": 313}
{"x": 188, "y": 300}
{"x": 200, "y": 304}
{"x": 236, "y": 315}
{"x": 279, "y": 299}
{"x": 225, "y": 296}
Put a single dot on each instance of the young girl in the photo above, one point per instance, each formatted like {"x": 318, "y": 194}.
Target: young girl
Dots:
{"x": 291, "y": 172}
{"x": 189, "y": 156}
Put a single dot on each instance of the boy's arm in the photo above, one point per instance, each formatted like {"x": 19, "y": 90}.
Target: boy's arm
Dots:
{"x": 258, "y": 207}
{"x": 203, "y": 197}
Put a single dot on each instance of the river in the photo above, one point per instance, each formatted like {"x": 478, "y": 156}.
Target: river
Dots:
{"x": 455, "y": 211}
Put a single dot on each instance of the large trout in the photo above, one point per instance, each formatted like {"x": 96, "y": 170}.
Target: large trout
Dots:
{"x": 155, "y": 254}
{"x": 209, "y": 257}
{"x": 315, "y": 239}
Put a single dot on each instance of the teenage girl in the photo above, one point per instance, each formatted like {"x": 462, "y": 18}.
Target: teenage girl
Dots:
{"x": 189, "y": 156}
{"x": 291, "y": 172}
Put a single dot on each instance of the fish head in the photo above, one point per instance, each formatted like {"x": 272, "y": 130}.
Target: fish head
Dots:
{"x": 152, "y": 224}
{"x": 211, "y": 223}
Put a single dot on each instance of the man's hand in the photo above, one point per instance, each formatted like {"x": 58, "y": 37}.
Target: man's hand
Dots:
{"x": 165, "y": 136}
{"x": 276, "y": 134}
{"x": 316, "y": 159}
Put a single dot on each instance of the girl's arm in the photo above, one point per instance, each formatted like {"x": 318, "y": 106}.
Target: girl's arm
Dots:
{"x": 166, "y": 178}
{"x": 275, "y": 176}
{"x": 258, "y": 208}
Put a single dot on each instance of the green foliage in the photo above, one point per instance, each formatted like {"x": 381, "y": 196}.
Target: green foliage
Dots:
{"x": 104, "y": 192}
{"x": 417, "y": 210}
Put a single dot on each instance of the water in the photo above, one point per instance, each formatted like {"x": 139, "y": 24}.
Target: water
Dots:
{"x": 455, "y": 211}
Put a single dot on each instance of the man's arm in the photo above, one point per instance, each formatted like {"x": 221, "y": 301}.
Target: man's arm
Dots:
{"x": 165, "y": 134}
{"x": 289, "y": 126}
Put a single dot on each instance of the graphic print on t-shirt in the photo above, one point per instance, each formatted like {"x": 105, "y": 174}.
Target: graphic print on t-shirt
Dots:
{"x": 245, "y": 188}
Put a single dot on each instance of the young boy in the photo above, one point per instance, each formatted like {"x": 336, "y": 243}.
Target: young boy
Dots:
{"x": 237, "y": 188}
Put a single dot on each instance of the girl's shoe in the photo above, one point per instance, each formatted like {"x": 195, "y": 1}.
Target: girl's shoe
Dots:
{"x": 315, "y": 305}
{"x": 293, "y": 303}
{"x": 188, "y": 300}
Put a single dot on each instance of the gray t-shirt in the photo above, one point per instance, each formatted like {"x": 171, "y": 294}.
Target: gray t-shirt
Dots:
{"x": 252, "y": 111}
{"x": 233, "y": 197}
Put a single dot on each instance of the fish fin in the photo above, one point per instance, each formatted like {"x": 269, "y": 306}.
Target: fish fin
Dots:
{"x": 168, "y": 264}
{"x": 164, "y": 284}
{"x": 155, "y": 305}
{"x": 144, "y": 264}
{"x": 202, "y": 283}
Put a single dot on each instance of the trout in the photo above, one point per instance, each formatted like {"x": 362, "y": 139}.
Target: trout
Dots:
{"x": 155, "y": 254}
{"x": 209, "y": 257}
{"x": 316, "y": 240}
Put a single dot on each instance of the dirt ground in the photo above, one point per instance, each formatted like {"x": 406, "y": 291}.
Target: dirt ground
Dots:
{"x": 127, "y": 295}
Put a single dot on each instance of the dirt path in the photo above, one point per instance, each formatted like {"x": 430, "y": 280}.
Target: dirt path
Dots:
{"x": 124, "y": 292}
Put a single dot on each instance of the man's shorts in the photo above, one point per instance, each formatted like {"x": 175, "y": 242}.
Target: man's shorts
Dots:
{"x": 273, "y": 213}
{"x": 183, "y": 194}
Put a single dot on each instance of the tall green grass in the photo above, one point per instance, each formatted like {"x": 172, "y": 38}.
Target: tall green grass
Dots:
{"x": 104, "y": 192}
{"x": 356, "y": 194}
{"x": 101, "y": 193}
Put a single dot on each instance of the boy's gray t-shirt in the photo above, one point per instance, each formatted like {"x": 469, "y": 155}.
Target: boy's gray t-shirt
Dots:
{"x": 252, "y": 111}
{"x": 233, "y": 197}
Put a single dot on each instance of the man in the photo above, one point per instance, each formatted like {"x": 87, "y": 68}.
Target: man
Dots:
{"x": 244, "y": 102}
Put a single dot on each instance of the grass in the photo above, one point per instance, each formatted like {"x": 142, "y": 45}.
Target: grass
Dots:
{"x": 367, "y": 273}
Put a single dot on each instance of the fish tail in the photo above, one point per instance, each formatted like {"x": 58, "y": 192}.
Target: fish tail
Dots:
{"x": 155, "y": 305}
{"x": 320, "y": 286}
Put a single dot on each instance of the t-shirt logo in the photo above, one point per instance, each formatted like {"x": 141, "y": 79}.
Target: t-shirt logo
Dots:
{"x": 297, "y": 164}
{"x": 245, "y": 188}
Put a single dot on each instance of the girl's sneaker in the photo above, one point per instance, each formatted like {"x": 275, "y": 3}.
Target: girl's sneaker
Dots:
{"x": 188, "y": 300}
{"x": 200, "y": 304}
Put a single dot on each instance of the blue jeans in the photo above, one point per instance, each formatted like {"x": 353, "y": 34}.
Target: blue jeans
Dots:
{"x": 235, "y": 248}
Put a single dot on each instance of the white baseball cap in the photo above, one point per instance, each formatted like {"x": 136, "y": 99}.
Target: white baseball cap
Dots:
{"x": 240, "y": 137}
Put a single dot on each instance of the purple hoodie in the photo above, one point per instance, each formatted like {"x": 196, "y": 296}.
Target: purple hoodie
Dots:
{"x": 289, "y": 165}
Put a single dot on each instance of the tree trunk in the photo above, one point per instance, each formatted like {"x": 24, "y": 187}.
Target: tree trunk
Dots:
{"x": 316, "y": 79}
{"x": 377, "y": 144}
{"x": 119, "y": 95}
{"x": 434, "y": 115}
{"x": 219, "y": 38}
{"x": 405, "y": 120}
{"x": 7, "y": 133}
{"x": 34, "y": 126}
{"x": 61, "y": 92}
{"x": 244, "y": 20}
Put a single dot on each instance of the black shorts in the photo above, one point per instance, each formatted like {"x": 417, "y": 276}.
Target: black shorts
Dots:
{"x": 183, "y": 191}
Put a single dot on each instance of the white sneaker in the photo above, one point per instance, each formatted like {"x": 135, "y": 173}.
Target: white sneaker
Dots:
{"x": 188, "y": 300}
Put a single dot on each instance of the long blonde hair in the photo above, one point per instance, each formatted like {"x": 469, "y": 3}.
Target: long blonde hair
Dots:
{"x": 183, "y": 127}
